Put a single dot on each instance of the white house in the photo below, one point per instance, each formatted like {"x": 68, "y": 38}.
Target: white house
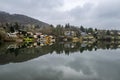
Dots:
{"x": 12, "y": 34}
{"x": 70, "y": 33}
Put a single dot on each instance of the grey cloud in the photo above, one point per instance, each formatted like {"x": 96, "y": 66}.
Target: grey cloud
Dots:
{"x": 32, "y": 3}
{"x": 81, "y": 12}
{"x": 104, "y": 15}
{"x": 82, "y": 15}
{"x": 39, "y": 9}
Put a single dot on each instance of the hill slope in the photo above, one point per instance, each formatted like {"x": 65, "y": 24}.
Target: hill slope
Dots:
{"x": 21, "y": 19}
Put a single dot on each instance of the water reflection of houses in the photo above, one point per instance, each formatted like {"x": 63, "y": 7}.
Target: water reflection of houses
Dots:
{"x": 27, "y": 51}
{"x": 69, "y": 45}
{"x": 20, "y": 53}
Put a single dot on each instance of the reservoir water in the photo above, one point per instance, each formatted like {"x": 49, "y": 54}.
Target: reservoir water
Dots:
{"x": 60, "y": 61}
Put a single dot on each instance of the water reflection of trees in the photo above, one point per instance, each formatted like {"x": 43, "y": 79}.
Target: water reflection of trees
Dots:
{"x": 26, "y": 51}
{"x": 85, "y": 46}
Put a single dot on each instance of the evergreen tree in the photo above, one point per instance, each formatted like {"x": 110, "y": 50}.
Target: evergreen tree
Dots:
{"x": 16, "y": 26}
{"x": 67, "y": 25}
{"x": 82, "y": 28}
{"x": 107, "y": 32}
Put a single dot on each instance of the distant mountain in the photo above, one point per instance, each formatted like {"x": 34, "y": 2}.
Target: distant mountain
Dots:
{"x": 21, "y": 19}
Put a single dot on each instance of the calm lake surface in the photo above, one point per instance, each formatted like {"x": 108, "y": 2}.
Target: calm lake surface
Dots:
{"x": 60, "y": 61}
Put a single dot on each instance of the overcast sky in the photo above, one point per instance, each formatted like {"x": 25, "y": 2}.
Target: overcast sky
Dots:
{"x": 103, "y": 14}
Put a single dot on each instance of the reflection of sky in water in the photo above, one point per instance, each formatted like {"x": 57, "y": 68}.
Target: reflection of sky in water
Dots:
{"x": 94, "y": 65}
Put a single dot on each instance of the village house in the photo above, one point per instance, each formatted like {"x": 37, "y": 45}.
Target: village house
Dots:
{"x": 87, "y": 36}
{"x": 70, "y": 33}
{"x": 118, "y": 33}
{"x": 14, "y": 35}
{"x": 37, "y": 35}
{"x": 83, "y": 34}
{"x": 90, "y": 36}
